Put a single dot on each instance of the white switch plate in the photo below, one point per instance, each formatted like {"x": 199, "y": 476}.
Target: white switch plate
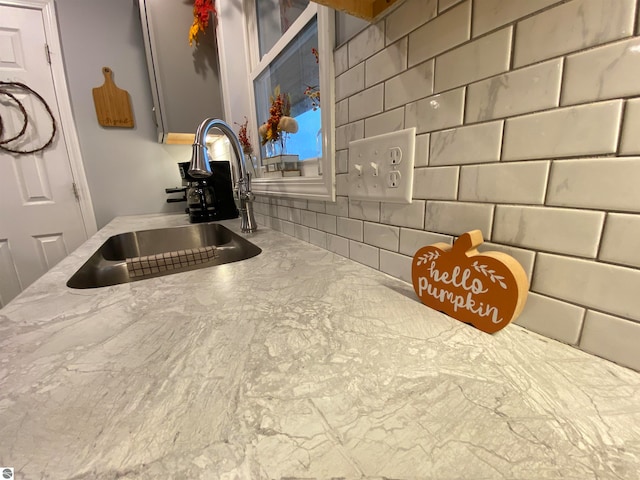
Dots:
{"x": 381, "y": 167}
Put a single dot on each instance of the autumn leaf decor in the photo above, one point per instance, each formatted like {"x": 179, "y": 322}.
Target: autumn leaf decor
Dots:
{"x": 202, "y": 10}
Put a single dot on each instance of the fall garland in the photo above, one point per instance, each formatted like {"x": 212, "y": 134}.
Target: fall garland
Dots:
{"x": 202, "y": 10}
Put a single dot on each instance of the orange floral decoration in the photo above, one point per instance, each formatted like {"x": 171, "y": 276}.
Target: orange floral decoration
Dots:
{"x": 243, "y": 136}
{"x": 202, "y": 10}
{"x": 280, "y": 107}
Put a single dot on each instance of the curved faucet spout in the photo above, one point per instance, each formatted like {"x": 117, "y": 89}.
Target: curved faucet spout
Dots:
{"x": 200, "y": 168}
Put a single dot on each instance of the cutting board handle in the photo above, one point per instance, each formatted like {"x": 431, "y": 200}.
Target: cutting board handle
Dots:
{"x": 108, "y": 79}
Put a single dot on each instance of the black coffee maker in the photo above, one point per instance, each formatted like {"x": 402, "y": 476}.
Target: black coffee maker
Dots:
{"x": 208, "y": 199}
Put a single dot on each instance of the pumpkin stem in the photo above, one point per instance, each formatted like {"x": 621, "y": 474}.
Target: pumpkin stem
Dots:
{"x": 468, "y": 241}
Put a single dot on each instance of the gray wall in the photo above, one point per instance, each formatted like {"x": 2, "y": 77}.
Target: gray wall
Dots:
{"x": 127, "y": 169}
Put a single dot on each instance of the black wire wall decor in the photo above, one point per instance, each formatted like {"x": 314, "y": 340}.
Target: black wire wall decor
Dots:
{"x": 4, "y": 90}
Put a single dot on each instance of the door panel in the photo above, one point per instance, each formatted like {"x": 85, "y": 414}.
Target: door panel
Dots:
{"x": 9, "y": 281}
{"x": 40, "y": 217}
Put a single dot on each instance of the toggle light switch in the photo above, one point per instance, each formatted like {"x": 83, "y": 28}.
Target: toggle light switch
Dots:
{"x": 391, "y": 158}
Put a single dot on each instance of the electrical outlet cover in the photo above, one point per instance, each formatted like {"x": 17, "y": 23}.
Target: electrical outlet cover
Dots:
{"x": 381, "y": 167}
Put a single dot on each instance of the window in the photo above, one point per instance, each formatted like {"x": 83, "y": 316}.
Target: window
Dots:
{"x": 291, "y": 45}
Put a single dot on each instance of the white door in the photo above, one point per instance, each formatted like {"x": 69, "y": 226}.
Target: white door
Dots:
{"x": 40, "y": 217}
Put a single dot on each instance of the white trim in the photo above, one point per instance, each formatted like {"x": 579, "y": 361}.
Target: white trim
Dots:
{"x": 316, "y": 188}
{"x": 68, "y": 127}
{"x": 222, "y": 60}
{"x": 156, "y": 86}
{"x": 292, "y": 32}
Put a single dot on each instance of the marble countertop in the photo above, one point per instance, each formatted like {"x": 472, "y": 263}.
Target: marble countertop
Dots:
{"x": 297, "y": 363}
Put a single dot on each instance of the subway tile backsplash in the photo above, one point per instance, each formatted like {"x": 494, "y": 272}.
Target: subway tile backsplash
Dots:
{"x": 528, "y": 125}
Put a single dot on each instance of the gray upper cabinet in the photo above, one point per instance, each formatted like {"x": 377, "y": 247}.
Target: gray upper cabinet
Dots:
{"x": 185, "y": 80}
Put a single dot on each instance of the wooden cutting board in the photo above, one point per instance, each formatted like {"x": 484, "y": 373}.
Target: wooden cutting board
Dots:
{"x": 112, "y": 103}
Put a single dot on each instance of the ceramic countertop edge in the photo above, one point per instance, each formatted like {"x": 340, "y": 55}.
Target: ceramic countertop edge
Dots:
{"x": 296, "y": 363}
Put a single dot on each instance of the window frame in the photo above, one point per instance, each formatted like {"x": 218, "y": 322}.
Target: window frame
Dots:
{"x": 319, "y": 187}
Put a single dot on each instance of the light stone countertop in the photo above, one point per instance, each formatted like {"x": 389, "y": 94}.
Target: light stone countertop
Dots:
{"x": 297, "y": 363}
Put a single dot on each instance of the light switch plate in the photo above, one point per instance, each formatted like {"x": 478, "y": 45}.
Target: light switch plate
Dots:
{"x": 381, "y": 167}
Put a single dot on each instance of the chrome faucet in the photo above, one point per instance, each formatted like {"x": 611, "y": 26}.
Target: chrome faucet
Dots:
{"x": 200, "y": 168}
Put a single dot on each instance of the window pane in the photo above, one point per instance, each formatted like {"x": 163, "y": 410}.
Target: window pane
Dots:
{"x": 274, "y": 18}
{"x": 294, "y": 71}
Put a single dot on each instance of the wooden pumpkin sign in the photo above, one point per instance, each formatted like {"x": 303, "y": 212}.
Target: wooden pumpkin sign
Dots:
{"x": 487, "y": 290}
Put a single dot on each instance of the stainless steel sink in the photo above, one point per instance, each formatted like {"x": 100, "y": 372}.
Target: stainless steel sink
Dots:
{"x": 133, "y": 256}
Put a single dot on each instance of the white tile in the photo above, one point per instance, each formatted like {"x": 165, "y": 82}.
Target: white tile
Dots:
{"x": 463, "y": 145}
{"x": 350, "y": 228}
{"x": 613, "y": 338}
{"x": 522, "y": 91}
{"x": 602, "y": 73}
{"x": 630, "y": 141}
{"x": 339, "y": 208}
{"x": 435, "y": 183}
{"x": 621, "y": 239}
{"x": 342, "y": 112}
{"x": 348, "y": 133}
{"x": 327, "y": 223}
{"x": 350, "y": 82}
{"x": 387, "y": 63}
{"x": 309, "y": 219}
{"x": 365, "y": 254}
{"x": 446, "y": 4}
{"x": 422, "y": 150}
{"x": 301, "y": 232}
{"x": 339, "y": 245}
{"x": 316, "y": 206}
{"x": 583, "y": 130}
{"x": 289, "y": 228}
{"x": 383, "y": 236}
{"x": 284, "y": 213}
{"x": 297, "y": 203}
{"x": 525, "y": 258}
{"x": 342, "y": 161}
{"x": 396, "y": 265}
{"x": 570, "y": 27}
{"x": 384, "y": 123}
{"x": 366, "y": 103}
{"x": 456, "y": 218}
{"x": 601, "y": 183}
{"x": 285, "y": 202}
{"x": 275, "y": 224}
{"x": 605, "y": 287}
{"x": 436, "y": 113}
{"x": 491, "y": 14}
{"x": 318, "y": 238}
{"x": 560, "y": 230}
{"x": 261, "y": 219}
{"x": 342, "y": 184}
{"x": 296, "y": 215}
{"x": 413, "y": 240}
{"x": 404, "y": 215}
{"x": 366, "y": 43}
{"x": 411, "y": 85}
{"x": 518, "y": 182}
{"x": 364, "y": 210}
{"x": 341, "y": 59}
{"x": 410, "y": 16}
{"x": 440, "y": 34}
{"x": 552, "y": 318}
{"x": 482, "y": 58}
